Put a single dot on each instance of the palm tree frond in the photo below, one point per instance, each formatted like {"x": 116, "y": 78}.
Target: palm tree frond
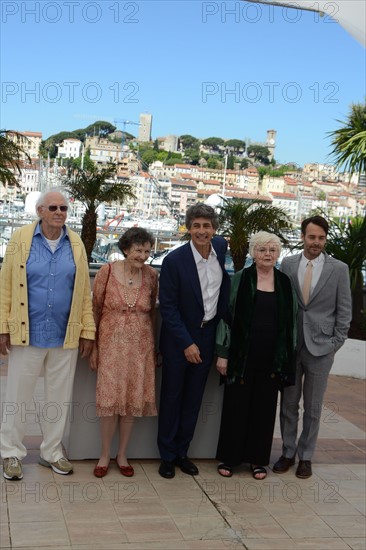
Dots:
{"x": 92, "y": 187}
{"x": 349, "y": 141}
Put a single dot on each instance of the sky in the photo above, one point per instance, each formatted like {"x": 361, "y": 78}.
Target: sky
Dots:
{"x": 225, "y": 69}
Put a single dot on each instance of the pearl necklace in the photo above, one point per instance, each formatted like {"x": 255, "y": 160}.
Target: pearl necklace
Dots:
{"x": 130, "y": 306}
{"x": 137, "y": 291}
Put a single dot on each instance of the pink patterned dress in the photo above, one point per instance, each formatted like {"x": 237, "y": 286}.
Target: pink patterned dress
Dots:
{"x": 125, "y": 351}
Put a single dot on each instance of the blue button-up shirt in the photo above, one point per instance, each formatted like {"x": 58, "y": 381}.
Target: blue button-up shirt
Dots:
{"x": 50, "y": 280}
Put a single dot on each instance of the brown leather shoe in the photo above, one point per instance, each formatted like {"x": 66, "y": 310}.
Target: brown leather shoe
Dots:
{"x": 304, "y": 469}
{"x": 283, "y": 464}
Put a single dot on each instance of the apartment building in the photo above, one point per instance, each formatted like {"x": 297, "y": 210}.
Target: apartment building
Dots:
{"x": 288, "y": 202}
{"x": 69, "y": 148}
{"x": 318, "y": 172}
{"x": 271, "y": 184}
{"x": 30, "y": 144}
{"x": 102, "y": 150}
{"x": 183, "y": 194}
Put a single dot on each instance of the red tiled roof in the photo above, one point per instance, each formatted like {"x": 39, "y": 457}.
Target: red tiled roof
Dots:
{"x": 31, "y": 134}
{"x": 283, "y": 195}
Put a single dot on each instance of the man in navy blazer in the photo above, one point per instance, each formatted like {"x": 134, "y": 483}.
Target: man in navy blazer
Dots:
{"x": 324, "y": 316}
{"x": 193, "y": 292}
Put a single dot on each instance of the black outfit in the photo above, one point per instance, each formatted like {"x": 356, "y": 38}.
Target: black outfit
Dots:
{"x": 253, "y": 399}
{"x": 258, "y": 338}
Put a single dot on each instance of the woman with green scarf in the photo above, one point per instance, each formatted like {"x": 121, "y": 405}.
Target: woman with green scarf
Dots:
{"x": 255, "y": 348}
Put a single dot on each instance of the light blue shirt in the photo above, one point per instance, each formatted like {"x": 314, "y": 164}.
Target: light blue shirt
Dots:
{"x": 50, "y": 281}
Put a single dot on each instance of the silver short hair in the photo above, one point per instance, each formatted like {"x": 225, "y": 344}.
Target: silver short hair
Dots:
{"x": 261, "y": 238}
{"x": 41, "y": 198}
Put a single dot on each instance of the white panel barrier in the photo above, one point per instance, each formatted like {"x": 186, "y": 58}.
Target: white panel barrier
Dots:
{"x": 82, "y": 441}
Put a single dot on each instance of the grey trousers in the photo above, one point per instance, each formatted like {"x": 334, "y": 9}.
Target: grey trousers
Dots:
{"x": 311, "y": 382}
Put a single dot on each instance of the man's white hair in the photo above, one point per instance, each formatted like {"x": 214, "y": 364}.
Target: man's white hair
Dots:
{"x": 41, "y": 198}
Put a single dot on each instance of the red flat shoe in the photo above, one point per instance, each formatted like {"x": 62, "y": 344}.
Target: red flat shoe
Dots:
{"x": 101, "y": 471}
{"x": 127, "y": 471}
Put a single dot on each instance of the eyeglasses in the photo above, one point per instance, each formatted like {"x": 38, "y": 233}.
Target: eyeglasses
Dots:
{"x": 53, "y": 208}
{"x": 261, "y": 251}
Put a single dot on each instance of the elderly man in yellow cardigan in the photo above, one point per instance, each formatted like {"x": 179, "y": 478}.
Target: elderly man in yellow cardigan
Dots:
{"x": 45, "y": 319}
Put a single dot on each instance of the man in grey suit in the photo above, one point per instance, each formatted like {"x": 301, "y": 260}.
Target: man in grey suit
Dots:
{"x": 323, "y": 291}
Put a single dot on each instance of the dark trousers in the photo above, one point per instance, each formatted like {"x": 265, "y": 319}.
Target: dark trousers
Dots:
{"x": 182, "y": 389}
{"x": 248, "y": 420}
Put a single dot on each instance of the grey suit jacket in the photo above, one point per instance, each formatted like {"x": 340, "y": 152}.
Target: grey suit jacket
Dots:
{"x": 324, "y": 322}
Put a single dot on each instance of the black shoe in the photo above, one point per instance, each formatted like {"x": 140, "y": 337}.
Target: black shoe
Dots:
{"x": 304, "y": 469}
{"x": 166, "y": 469}
{"x": 186, "y": 466}
{"x": 283, "y": 464}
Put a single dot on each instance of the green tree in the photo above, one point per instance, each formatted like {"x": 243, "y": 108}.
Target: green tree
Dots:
{"x": 149, "y": 156}
{"x": 11, "y": 155}
{"x": 262, "y": 171}
{"x": 162, "y": 156}
{"x": 99, "y": 128}
{"x": 236, "y": 144}
{"x": 192, "y": 156}
{"x": 88, "y": 163}
{"x": 230, "y": 162}
{"x": 239, "y": 219}
{"x": 143, "y": 147}
{"x": 212, "y": 163}
{"x": 349, "y": 141}
{"x": 92, "y": 187}
{"x": 171, "y": 160}
{"x": 189, "y": 142}
{"x": 347, "y": 242}
{"x": 259, "y": 153}
{"x": 244, "y": 163}
{"x": 213, "y": 142}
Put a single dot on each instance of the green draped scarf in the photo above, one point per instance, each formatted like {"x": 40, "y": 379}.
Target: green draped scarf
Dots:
{"x": 234, "y": 334}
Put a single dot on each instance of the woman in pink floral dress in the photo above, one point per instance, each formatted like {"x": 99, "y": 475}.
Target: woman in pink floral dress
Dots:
{"x": 124, "y": 299}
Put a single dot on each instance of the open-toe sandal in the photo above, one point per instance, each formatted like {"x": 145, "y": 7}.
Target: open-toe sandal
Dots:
{"x": 225, "y": 468}
{"x": 257, "y": 471}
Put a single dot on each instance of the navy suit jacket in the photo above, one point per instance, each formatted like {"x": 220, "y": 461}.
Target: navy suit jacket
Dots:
{"x": 181, "y": 304}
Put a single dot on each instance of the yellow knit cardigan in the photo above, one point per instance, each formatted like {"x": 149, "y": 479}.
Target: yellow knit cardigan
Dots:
{"x": 14, "y": 318}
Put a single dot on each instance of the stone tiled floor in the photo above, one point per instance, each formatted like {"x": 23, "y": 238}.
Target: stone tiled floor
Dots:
{"x": 45, "y": 510}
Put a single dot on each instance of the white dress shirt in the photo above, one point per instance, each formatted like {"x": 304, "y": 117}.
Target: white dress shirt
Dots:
{"x": 210, "y": 276}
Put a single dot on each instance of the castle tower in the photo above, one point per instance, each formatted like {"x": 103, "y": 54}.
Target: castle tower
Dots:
{"x": 145, "y": 127}
{"x": 271, "y": 142}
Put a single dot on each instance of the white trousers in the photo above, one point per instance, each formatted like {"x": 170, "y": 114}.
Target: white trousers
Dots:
{"x": 25, "y": 364}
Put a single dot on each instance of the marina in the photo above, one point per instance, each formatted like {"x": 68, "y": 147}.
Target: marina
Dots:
{"x": 167, "y": 234}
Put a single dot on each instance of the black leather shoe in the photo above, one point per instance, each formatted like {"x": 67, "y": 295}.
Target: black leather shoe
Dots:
{"x": 166, "y": 469}
{"x": 186, "y": 466}
{"x": 304, "y": 469}
{"x": 283, "y": 464}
